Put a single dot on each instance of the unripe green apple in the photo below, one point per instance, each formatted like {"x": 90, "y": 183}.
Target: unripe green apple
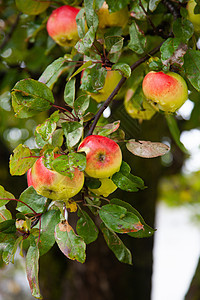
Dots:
{"x": 168, "y": 91}
{"x": 107, "y": 187}
{"x": 103, "y": 156}
{"x": 52, "y": 184}
{"x": 118, "y": 18}
{"x": 111, "y": 81}
{"x": 147, "y": 111}
{"x": 62, "y": 27}
{"x": 32, "y": 7}
{"x": 194, "y": 18}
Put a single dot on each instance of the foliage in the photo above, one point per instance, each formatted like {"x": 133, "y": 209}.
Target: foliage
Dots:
{"x": 60, "y": 126}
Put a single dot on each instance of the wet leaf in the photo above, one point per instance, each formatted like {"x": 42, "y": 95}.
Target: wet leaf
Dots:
{"x": 73, "y": 132}
{"x": 32, "y": 269}
{"x": 147, "y": 149}
{"x": 137, "y": 39}
{"x": 5, "y": 214}
{"x": 69, "y": 243}
{"x": 86, "y": 228}
{"x": 172, "y": 51}
{"x": 81, "y": 104}
{"x": 5, "y": 194}
{"x": 8, "y": 226}
{"x": 86, "y": 42}
{"x": 107, "y": 129}
{"x": 21, "y": 160}
{"x": 123, "y": 68}
{"x": 119, "y": 219}
{"x": 126, "y": 181}
{"x": 115, "y": 244}
{"x": 192, "y": 67}
{"x": 69, "y": 92}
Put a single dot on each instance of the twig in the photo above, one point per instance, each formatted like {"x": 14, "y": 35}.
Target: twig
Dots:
{"x": 10, "y": 33}
{"x": 117, "y": 88}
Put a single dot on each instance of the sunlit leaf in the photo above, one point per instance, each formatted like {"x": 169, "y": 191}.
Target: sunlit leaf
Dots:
{"x": 73, "y": 132}
{"x": 5, "y": 195}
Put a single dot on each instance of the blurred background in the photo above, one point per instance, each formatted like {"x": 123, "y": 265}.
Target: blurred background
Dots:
{"x": 165, "y": 266}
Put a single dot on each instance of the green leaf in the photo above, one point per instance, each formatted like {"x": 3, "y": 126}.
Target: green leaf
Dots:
{"x": 84, "y": 66}
{"x": 33, "y": 200}
{"x": 117, "y": 5}
{"x": 172, "y": 51}
{"x": 10, "y": 250}
{"x": 92, "y": 183}
{"x": 44, "y": 131}
{"x": 69, "y": 92}
{"x": 119, "y": 219}
{"x": 137, "y": 11}
{"x": 5, "y": 214}
{"x": 153, "y": 4}
{"x": 192, "y": 67}
{"x": 32, "y": 269}
{"x": 53, "y": 72}
{"x": 5, "y": 195}
{"x": 183, "y": 29}
{"x": 8, "y": 226}
{"x": 21, "y": 160}
{"x": 114, "y": 44}
{"x": 86, "y": 228}
{"x": 49, "y": 220}
{"x": 126, "y": 181}
{"x": 147, "y": 230}
{"x": 147, "y": 149}
{"x": 57, "y": 138}
{"x": 175, "y": 132}
{"x": 137, "y": 39}
{"x": 69, "y": 243}
{"x": 31, "y": 7}
{"x": 107, "y": 129}
{"x": 93, "y": 79}
{"x": 7, "y": 242}
{"x": 30, "y": 97}
{"x": 81, "y": 21}
{"x": 65, "y": 164}
{"x": 81, "y": 104}
{"x": 91, "y": 16}
{"x": 123, "y": 68}
{"x": 86, "y": 42}
{"x": 73, "y": 132}
{"x": 115, "y": 244}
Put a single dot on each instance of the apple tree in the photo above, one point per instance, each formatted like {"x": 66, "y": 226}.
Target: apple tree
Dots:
{"x": 79, "y": 79}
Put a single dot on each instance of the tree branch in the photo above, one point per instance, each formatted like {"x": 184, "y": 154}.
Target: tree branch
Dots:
{"x": 117, "y": 88}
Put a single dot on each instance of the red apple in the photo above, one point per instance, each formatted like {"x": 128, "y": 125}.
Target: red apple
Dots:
{"x": 62, "y": 27}
{"x": 168, "y": 91}
{"x": 103, "y": 156}
{"x": 52, "y": 184}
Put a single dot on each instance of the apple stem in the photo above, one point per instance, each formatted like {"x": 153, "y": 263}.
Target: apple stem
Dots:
{"x": 117, "y": 88}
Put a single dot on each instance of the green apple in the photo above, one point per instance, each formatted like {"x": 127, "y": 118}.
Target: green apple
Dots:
{"x": 103, "y": 156}
{"x": 135, "y": 111}
{"x": 194, "y": 18}
{"x": 107, "y": 187}
{"x": 32, "y": 7}
{"x": 62, "y": 27}
{"x": 52, "y": 184}
{"x": 107, "y": 19}
{"x": 167, "y": 91}
{"x": 111, "y": 81}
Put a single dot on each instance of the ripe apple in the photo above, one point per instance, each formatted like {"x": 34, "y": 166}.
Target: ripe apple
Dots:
{"x": 111, "y": 81}
{"x": 52, "y": 184}
{"x": 145, "y": 112}
{"x": 32, "y": 7}
{"x": 62, "y": 27}
{"x": 103, "y": 156}
{"x": 107, "y": 187}
{"x": 168, "y": 91}
{"x": 118, "y": 18}
{"x": 194, "y": 18}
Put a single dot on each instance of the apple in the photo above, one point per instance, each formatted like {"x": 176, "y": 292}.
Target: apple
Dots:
{"x": 52, "y": 184}
{"x": 32, "y": 7}
{"x": 111, "y": 81}
{"x": 118, "y": 18}
{"x": 62, "y": 27}
{"x": 103, "y": 156}
{"x": 137, "y": 111}
{"x": 194, "y": 18}
{"x": 166, "y": 91}
{"x": 107, "y": 187}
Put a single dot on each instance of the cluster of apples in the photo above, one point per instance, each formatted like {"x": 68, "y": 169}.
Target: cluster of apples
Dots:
{"x": 103, "y": 157}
